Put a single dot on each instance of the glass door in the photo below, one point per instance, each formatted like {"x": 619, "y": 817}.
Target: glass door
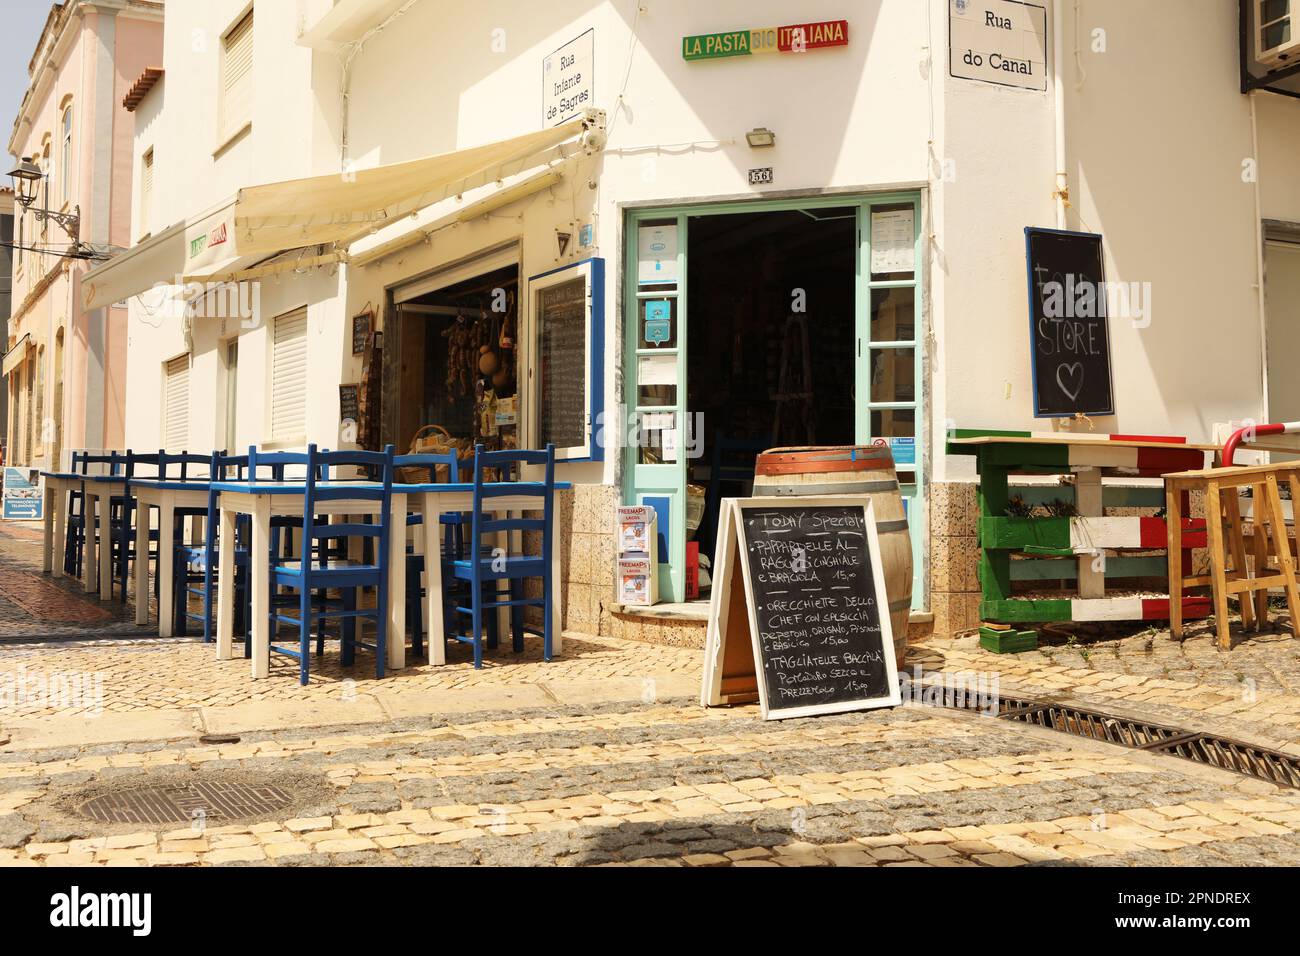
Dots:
{"x": 657, "y": 423}
{"x": 889, "y": 369}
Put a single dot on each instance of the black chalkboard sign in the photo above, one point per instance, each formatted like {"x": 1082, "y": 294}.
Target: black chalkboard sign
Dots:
{"x": 1068, "y": 324}
{"x": 360, "y": 331}
{"x": 350, "y": 403}
{"x": 816, "y": 599}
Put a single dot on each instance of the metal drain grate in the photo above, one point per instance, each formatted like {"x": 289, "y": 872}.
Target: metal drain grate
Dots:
{"x": 1222, "y": 752}
{"x": 186, "y": 802}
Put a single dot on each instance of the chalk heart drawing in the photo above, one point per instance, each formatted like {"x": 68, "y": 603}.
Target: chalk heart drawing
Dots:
{"x": 1070, "y": 378}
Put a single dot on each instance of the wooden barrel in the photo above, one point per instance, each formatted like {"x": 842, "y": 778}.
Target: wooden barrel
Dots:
{"x": 865, "y": 471}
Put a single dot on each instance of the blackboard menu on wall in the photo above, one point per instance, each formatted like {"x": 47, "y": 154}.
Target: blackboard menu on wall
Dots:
{"x": 561, "y": 312}
{"x": 816, "y": 601}
{"x": 1068, "y": 324}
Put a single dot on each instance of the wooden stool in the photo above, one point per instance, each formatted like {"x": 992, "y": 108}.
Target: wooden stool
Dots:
{"x": 1230, "y": 575}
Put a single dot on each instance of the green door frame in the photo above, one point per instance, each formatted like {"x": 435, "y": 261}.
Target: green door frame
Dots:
{"x": 656, "y": 483}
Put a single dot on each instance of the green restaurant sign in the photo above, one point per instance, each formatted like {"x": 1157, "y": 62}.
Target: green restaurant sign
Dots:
{"x": 795, "y": 38}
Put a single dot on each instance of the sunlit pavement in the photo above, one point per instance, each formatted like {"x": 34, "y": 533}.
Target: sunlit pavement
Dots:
{"x": 603, "y": 757}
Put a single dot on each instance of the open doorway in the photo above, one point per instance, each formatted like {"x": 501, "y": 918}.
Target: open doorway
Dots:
{"x": 452, "y": 366}
{"x": 771, "y": 343}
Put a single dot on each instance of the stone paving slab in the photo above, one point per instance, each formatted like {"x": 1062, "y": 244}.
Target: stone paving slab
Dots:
{"x": 33, "y": 604}
{"x": 667, "y": 784}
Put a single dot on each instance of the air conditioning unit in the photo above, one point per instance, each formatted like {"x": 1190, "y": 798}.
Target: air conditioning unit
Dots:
{"x": 1277, "y": 43}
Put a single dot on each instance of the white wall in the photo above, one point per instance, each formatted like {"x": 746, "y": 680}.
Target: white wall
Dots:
{"x": 1156, "y": 133}
{"x": 194, "y": 172}
{"x": 845, "y": 118}
{"x": 1154, "y": 153}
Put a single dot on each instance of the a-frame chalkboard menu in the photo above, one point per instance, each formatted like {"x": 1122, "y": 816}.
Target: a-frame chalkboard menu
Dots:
{"x": 1069, "y": 338}
{"x": 798, "y": 587}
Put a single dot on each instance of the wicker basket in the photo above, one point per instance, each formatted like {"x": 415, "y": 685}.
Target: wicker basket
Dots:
{"x": 431, "y": 440}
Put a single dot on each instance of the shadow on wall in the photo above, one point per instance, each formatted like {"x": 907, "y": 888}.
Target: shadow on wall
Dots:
{"x": 1158, "y": 171}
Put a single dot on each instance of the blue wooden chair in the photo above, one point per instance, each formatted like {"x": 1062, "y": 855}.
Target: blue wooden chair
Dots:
{"x": 317, "y": 569}
{"x": 123, "y": 521}
{"x": 74, "y": 548}
{"x": 483, "y": 568}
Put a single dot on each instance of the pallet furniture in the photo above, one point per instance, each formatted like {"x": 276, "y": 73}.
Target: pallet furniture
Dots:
{"x": 1231, "y": 574}
{"x": 1087, "y": 536}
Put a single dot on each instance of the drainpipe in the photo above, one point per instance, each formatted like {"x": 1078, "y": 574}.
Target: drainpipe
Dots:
{"x": 1062, "y": 192}
{"x": 353, "y": 50}
{"x": 1259, "y": 265}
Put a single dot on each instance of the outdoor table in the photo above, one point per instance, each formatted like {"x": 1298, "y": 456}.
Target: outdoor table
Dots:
{"x": 58, "y": 485}
{"x": 263, "y": 500}
{"x": 99, "y": 491}
{"x": 167, "y": 496}
{"x": 1082, "y": 535}
{"x": 432, "y": 500}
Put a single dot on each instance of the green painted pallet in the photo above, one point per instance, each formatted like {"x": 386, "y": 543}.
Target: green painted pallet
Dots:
{"x": 1007, "y": 642}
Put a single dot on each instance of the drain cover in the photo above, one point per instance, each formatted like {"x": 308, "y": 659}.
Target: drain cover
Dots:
{"x": 184, "y": 802}
{"x": 1223, "y": 752}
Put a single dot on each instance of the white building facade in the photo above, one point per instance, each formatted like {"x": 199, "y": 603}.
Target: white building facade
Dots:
{"x": 658, "y": 262}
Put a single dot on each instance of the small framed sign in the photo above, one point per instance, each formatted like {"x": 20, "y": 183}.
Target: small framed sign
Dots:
{"x": 350, "y": 403}
{"x": 361, "y": 331}
{"x": 761, "y": 176}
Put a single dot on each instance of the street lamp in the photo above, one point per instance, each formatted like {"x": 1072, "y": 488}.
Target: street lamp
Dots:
{"x": 27, "y": 178}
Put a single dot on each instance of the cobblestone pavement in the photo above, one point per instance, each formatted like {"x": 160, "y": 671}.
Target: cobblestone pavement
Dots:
{"x": 664, "y": 784}
{"x": 1251, "y": 692}
{"x": 147, "y": 675}
{"x": 33, "y": 604}
{"x": 656, "y": 783}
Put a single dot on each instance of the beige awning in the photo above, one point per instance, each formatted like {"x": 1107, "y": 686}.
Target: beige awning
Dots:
{"x": 265, "y": 221}
{"x": 18, "y": 354}
{"x": 337, "y": 208}
{"x": 156, "y": 260}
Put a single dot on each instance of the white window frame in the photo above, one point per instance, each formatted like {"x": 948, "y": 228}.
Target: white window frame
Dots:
{"x": 229, "y": 395}
{"x": 65, "y": 148}
{"x": 229, "y": 127}
{"x": 532, "y": 360}
{"x": 147, "y": 171}
{"x": 281, "y": 439}
{"x": 167, "y": 409}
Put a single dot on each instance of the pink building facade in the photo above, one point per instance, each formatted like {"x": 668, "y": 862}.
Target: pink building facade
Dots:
{"x": 64, "y": 366}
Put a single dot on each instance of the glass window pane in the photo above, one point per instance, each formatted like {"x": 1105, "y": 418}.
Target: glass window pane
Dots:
{"x": 657, "y": 379}
{"x": 893, "y": 315}
{"x": 893, "y": 242}
{"x": 657, "y": 323}
{"x": 893, "y": 422}
{"x": 893, "y": 375}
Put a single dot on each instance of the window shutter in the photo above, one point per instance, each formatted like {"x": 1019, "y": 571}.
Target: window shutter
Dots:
{"x": 237, "y": 77}
{"x": 289, "y": 377}
{"x": 176, "y": 404}
{"x": 146, "y": 193}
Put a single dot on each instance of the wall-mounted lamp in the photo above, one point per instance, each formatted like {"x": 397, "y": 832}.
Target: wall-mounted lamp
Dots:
{"x": 760, "y": 137}
{"x": 27, "y": 178}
